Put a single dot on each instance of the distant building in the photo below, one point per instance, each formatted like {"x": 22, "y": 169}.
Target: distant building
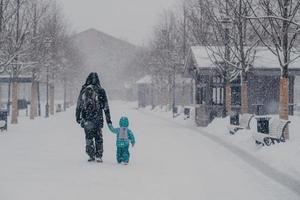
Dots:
{"x": 24, "y": 87}
{"x": 130, "y": 92}
{"x": 151, "y": 94}
{"x": 145, "y": 91}
{"x": 183, "y": 91}
{"x": 263, "y": 85}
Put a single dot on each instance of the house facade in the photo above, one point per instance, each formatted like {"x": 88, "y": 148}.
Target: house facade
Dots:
{"x": 151, "y": 93}
{"x": 263, "y": 85}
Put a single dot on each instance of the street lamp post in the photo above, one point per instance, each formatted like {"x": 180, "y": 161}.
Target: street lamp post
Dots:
{"x": 47, "y": 93}
{"x": 39, "y": 100}
{"x": 65, "y": 93}
{"x": 174, "y": 90}
{"x": 47, "y": 46}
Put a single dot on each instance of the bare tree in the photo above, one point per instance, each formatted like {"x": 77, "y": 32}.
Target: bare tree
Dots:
{"x": 19, "y": 26}
{"x": 54, "y": 31}
{"x": 165, "y": 54}
{"x": 276, "y": 23}
{"x": 38, "y": 10}
{"x": 231, "y": 50}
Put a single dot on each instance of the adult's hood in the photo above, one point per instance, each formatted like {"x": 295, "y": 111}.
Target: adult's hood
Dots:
{"x": 93, "y": 79}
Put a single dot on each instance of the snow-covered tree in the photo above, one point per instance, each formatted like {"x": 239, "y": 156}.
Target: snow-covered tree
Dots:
{"x": 277, "y": 25}
{"x": 221, "y": 26}
{"x": 165, "y": 57}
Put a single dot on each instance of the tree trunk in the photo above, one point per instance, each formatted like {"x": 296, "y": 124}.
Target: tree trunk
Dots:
{"x": 33, "y": 100}
{"x": 228, "y": 98}
{"x": 9, "y": 96}
{"x": 284, "y": 102}
{"x": 1, "y": 15}
{"x": 1, "y": 96}
{"x": 244, "y": 96}
{"x": 65, "y": 95}
{"x": 51, "y": 99}
{"x": 284, "y": 81}
{"x": 38, "y": 98}
{"x": 14, "y": 113}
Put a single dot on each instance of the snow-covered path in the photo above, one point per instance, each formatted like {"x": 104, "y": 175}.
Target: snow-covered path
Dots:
{"x": 45, "y": 159}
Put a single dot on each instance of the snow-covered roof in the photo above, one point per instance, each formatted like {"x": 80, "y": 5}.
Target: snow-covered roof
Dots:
{"x": 264, "y": 58}
{"x": 201, "y": 56}
{"x": 145, "y": 80}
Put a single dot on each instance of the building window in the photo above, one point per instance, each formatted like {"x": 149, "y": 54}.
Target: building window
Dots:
{"x": 218, "y": 96}
{"x": 218, "y": 91}
{"x": 201, "y": 95}
{"x": 236, "y": 99}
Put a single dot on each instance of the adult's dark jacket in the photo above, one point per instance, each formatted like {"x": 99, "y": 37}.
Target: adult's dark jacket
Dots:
{"x": 97, "y": 116}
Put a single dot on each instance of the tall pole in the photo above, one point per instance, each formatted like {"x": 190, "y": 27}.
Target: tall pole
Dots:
{"x": 39, "y": 100}
{"x": 1, "y": 15}
{"x": 33, "y": 108}
{"x": 226, "y": 90}
{"x": 47, "y": 93}
{"x": 9, "y": 94}
{"x": 184, "y": 30}
{"x": 1, "y": 22}
{"x": 51, "y": 93}
{"x": 174, "y": 90}
{"x": 15, "y": 111}
{"x": 227, "y": 50}
{"x": 65, "y": 93}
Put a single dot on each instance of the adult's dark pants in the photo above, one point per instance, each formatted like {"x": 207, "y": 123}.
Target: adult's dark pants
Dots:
{"x": 94, "y": 142}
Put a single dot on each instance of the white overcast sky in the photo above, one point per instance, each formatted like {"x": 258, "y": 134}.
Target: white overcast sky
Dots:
{"x": 132, "y": 20}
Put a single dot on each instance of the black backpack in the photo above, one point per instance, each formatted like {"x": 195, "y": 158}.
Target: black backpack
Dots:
{"x": 90, "y": 102}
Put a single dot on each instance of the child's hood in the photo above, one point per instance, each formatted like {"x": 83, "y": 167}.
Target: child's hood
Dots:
{"x": 124, "y": 122}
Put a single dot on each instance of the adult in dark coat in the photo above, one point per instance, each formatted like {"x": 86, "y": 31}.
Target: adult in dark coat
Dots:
{"x": 92, "y": 119}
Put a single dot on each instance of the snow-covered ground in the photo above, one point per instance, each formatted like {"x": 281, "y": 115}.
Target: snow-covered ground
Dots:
{"x": 284, "y": 157}
{"x": 45, "y": 159}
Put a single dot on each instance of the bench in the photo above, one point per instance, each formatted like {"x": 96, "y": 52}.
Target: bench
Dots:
{"x": 176, "y": 111}
{"x": 59, "y": 108}
{"x": 187, "y": 112}
{"x": 245, "y": 120}
{"x": 276, "y": 133}
{"x": 3, "y": 120}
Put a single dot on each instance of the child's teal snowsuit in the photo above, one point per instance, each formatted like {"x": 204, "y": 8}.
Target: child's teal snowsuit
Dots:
{"x": 124, "y": 137}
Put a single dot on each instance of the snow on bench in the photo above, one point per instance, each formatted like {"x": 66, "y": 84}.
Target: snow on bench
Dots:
{"x": 187, "y": 112}
{"x": 276, "y": 133}
{"x": 244, "y": 123}
{"x": 2, "y": 123}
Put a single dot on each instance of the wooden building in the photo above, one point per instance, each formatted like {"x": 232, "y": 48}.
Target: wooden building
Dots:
{"x": 263, "y": 85}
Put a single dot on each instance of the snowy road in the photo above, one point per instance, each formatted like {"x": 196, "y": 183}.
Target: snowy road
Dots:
{"x": 45, "y": 159}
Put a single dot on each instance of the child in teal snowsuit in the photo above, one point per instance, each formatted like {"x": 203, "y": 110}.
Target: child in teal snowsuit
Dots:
{"x": 124, "y": 137}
